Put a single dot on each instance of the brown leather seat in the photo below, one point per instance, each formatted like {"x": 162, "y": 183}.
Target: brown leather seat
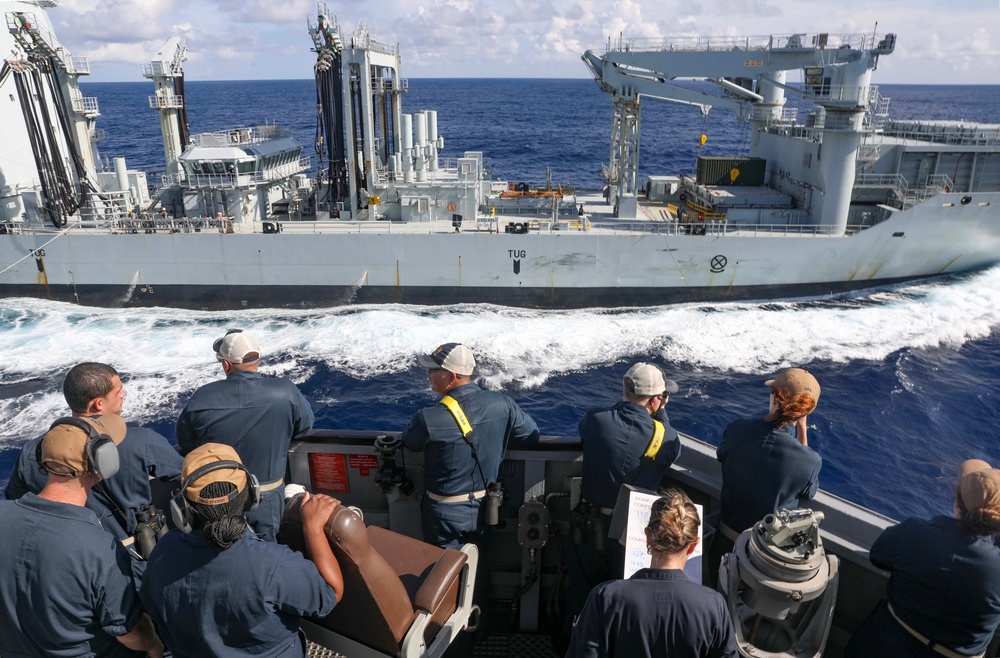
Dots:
{"x": 390, "y": 581}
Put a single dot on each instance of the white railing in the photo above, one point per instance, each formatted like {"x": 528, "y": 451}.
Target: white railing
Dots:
{"x": 366, "y": 42}
{"x": 233, "y": 180}
{"x": 76, "y": 65}
{"x": 744, "y": 43}
{"x": 238, "y": 136}
{"x": 86, "y": 105}
{"x": 944, "y": 132}
{"x": 166, "y": 101}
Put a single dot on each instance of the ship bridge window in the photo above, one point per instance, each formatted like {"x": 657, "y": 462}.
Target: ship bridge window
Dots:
{"x": 246, "y": 167}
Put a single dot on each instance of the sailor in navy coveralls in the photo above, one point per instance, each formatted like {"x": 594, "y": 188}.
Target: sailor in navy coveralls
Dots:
{"x": 632, "y": 443}
{"x": 767, "y": 464}
{"x": 93, "y": 390}
{"x": 216, "y": 589}
{"x": 658, "y": 611}
{"x": 458, "y": 469}
{"x": 944, "y": 582}
{"x": 259, "y": 416}
{"x": 66, "y": 586}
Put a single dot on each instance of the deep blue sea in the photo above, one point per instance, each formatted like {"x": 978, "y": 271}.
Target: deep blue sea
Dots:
{"x": 909, "y": 376}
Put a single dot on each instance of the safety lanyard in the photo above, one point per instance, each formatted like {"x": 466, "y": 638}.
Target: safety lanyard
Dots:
{"x": 451, "y": 404}
{"x": 654, "y": 444}
{"x": 465, "y": 427}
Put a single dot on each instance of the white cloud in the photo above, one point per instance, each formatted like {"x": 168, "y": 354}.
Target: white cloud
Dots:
{"x": 518, "y": 38}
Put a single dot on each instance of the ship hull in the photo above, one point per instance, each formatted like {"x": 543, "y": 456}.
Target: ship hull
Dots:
{"x": 558, "y": 269}
{"x": 216, "y": 298}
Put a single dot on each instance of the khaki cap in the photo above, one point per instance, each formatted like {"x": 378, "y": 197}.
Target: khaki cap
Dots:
{"x": 794, "y": 381}
{"x": 65, "y": 445}
{"x": 978, "y": 484}
{"x": 206, "y": 455}
{"x": 647, "y": 379}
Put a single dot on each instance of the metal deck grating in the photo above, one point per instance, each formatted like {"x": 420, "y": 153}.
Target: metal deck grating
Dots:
{"x": 504, "y": 645}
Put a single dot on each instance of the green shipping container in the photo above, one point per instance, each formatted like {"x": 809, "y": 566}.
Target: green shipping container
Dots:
{"x": 715, "y": 170}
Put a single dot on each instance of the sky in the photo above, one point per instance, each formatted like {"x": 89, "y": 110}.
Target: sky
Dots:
{"x": 939, "y": 42}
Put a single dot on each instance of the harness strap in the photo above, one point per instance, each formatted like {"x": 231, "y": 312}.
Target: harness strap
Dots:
{"x": 451, "y": 404}
{"x": 654, "y": 444}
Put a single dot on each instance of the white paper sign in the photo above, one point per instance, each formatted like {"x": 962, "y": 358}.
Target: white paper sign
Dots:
{"x": 636, "y": 556}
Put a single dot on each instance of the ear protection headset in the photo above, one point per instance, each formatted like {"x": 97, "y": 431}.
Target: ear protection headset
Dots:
{"x": 180, "y": 509}
{"x": 100, "y": 450}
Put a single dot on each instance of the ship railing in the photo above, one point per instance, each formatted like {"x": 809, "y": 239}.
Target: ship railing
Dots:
{"x": 160, "y": 69}
{"x": 76, "y": 65}
{"x": 840, "y": 95}
{"x": 166, "y": 101}
{"x": 364, "y": 41}
{"x": 718, "y": 228}
{"x": 944, "y": 132}
{"x": 819, "y": 41}
{"x": 235, "y": 180}
{"x": 238, "y": 136}
{"x": 934, "y": 185}
{"x": 385, "y": 85}
{"x": 776, "y": 116}
{"x": 906, "y": 195}
{"x": 86, "y": 105}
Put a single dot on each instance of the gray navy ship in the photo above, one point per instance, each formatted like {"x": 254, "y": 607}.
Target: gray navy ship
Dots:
{"x": 840, "y": 199}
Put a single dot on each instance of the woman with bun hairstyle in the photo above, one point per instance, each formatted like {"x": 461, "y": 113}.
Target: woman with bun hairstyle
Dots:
{"x": 944, "y": 582}
{"x": 658, "y": 611}
{"x": 767, "y": 464}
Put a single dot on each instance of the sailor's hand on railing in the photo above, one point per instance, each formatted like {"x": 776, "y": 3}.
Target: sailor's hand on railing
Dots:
{"x": 316, "y": 511}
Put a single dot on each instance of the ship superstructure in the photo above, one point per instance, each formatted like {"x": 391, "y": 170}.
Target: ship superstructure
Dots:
{"x": 843, "y": 199}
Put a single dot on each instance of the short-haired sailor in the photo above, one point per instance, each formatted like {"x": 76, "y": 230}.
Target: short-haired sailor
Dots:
{"x": 66, "y": 587}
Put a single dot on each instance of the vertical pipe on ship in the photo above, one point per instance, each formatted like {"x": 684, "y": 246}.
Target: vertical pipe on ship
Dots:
{"x": 407, "y": 150}
{"x": 420, "y": 144}
{"x": 121, "y": 176}
{"x": 432, "y": 139}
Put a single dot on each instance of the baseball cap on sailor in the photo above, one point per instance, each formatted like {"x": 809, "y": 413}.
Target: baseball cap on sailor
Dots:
{"x": 978, "y": 484}
{"x": 65, "y": 445}
{"x": 454, "y": 357}
{"x": 206, "y": 455}
{"x": 794, "y": 381}
{"x": 237, "y": 346}
{"x": 647, "y": 379}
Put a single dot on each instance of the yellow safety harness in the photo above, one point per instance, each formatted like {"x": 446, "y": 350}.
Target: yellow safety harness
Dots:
{"x": 654, "y": 444}
{"x": 465, "y": 427}
{"x": 451, "y": 404}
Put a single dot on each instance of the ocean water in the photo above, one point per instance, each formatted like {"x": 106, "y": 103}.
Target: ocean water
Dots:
{"x": 908, "y": 374}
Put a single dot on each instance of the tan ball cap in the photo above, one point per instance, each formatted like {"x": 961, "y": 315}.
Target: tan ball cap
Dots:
{"x": 794, "y": 381}
{"x": 978, "y": 484}
{"x": 206, "y": 455}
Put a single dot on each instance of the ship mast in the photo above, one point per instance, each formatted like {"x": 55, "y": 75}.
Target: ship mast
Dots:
{"x": 167, "y": 73}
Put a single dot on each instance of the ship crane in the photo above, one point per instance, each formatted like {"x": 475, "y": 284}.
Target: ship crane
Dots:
{"x": 167, "y": 73}
{"x": 752, "y": 73}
